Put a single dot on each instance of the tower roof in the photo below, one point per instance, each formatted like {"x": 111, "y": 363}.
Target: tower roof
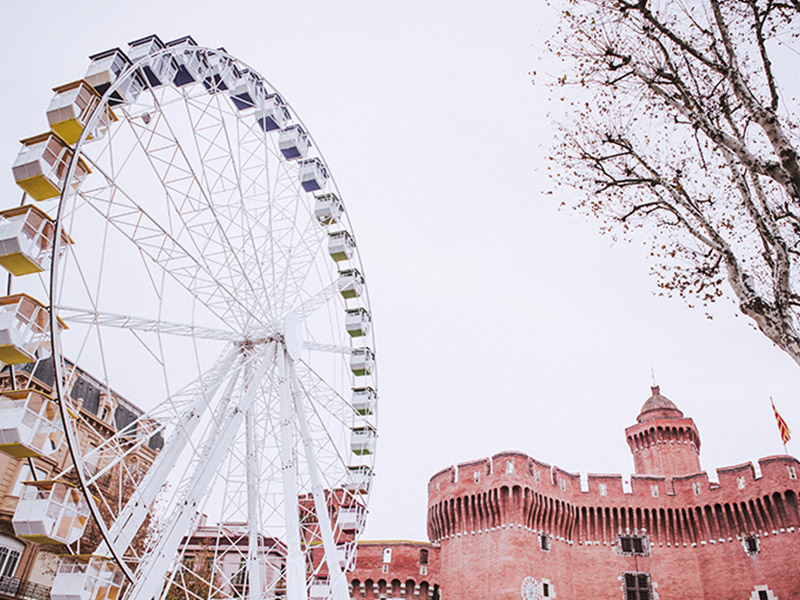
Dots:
{"x": 658, "y": 406}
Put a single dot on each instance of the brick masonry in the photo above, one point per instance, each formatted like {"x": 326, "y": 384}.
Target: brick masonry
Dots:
{"x": 496, "y": 521}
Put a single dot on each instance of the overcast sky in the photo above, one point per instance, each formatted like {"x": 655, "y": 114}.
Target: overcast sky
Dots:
{"x": 502, "y": 322}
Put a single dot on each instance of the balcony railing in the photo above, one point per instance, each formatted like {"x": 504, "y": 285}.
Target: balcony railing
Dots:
{"x": 11, "y": 586}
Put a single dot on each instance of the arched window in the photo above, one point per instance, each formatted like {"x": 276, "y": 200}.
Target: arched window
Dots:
{"x": 387, "y": 555}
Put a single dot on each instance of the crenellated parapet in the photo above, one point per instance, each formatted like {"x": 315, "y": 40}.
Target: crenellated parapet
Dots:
{"x": 513, "y": 490}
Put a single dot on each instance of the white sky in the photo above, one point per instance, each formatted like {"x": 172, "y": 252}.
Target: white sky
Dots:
{"x": 502, "y": 322}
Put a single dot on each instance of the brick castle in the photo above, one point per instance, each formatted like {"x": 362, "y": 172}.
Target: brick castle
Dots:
{"x": 510, "y": 527}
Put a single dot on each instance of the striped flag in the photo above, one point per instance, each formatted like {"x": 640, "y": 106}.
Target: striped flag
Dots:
{"x": 786, "y": 433}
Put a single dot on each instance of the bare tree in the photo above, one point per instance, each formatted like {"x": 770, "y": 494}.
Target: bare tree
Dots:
{"x": 682, "y": 130}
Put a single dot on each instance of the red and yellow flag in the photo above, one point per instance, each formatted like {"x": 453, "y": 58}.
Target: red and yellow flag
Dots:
{"x": 786, "y": 433}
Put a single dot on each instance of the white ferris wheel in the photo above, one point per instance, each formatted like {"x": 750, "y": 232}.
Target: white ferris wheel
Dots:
{"x": 183, "y": 268}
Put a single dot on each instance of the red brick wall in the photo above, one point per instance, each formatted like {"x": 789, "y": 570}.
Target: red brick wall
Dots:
{"x": 402, "y": 577}
{"x": 489, "y": 527}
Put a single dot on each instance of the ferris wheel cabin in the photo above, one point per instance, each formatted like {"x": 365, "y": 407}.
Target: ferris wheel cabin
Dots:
{"x": 357, "y": 322}
{"x": 26, "y": 240}
{"x": 248, "y": 92}
{"x": 157, "y": 70}
{"x": 24, "y": 329}
{"x": 50, "y": 512}
{"x": 222, "y": 73}
{"x": 351, "y": 519}
{"x": 358, "y": 479}
{"x": 313, "y": 175}
{"x": 104, "y": 70}
{"x": 70, "y": 109}
{"x": 341, "y": 245}
{"x": 42, "y": 164}
{"x": 320, "y": 588}
{"x": 273, "y": 114}
{"x": 362, "y": 362}
{"x": 364, "y": 400}
{"x": 192, "y": 66}
{"x": 30, "y": 424}
{"x": 346, "y": 553}
{"x": 87, "y": 577}
{"x": 362, "y": 439}
{"x": 294, "y": 143}
{"x": 328, "y": 209}
{"x": 350, "y": 283}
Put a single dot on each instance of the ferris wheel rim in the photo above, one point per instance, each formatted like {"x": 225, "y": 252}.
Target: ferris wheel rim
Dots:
{"x": 57, "y": 352}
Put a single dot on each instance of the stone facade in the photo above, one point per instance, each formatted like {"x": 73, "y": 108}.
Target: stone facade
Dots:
{"x": 509, "y": 526}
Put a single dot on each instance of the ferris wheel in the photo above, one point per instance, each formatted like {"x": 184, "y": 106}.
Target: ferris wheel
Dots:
{"x": 186, "y": 281}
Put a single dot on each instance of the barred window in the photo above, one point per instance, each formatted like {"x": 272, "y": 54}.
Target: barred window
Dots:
{"x": 638, "y": 586}
{"x": 544, "y": 542}
{"x": 633, "y": 545}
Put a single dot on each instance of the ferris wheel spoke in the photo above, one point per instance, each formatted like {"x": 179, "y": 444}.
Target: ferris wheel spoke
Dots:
{"x": 329, "y": 348}
{"x": 190, "y": 190}
{"x": 164, "y": 249}
{"x": 220, "y": 169}
{"x": 310, "y": 305}
{"x": 89, "y": 317}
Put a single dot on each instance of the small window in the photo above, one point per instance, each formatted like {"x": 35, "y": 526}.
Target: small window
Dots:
{"x": 792, "y": 472}
{"x": 423, "y": 570}
{"x": 633, "y": 545}
{"x": 104, "y": 414}
{"x": 385, "y": 569}
{"x": 509, "y": 466}
{"x": 536, "y": 477}
{"x": 547, "y": 590}
{"x": 423, "y": 557}
{"x": 740, "y": 483}
{"x": 387, "y": 555}
{"x": 603, "y": 489}
{"x": 762, "y": 595}
{"x": 637, "y": 586}
{"x": 654, "y": 491}
{"x": 477, "y": 476}
{"x": 563, "y": 483}
{"x": 544, "y": 542}
{"x": 697, "y": 488}
{"x": 751, "y": 545}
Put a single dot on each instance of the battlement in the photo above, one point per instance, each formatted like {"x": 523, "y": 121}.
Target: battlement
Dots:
{"x": 513, "y": 490}
{"x": 516, "y": 468}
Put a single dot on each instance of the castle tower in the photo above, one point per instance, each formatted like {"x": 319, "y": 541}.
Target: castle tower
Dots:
{"x": 663, "y": 441}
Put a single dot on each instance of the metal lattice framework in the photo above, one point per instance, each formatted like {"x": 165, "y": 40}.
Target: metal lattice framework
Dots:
{"x": 205, "y": 294}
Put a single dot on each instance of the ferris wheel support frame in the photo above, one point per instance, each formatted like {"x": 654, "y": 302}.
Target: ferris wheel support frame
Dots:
{"x": 337, "y": 578}
{"x": 152, "y": 570}
{"x": 135, "y": 511}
